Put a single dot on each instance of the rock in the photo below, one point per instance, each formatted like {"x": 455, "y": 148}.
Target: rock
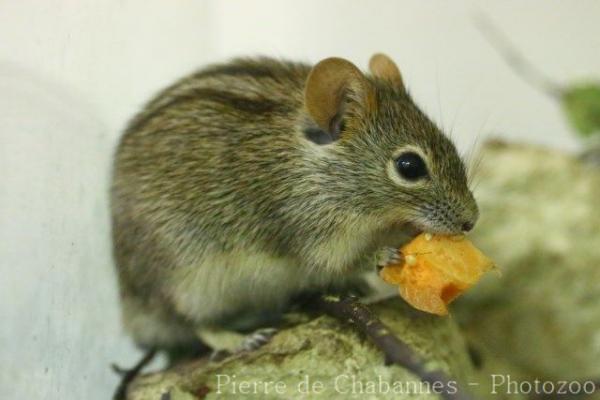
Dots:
{"x": 322, "y": 353}
{"x": 540, "y": 221}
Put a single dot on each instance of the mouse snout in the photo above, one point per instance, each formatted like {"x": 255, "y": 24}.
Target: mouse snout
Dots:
{"x": 469, "y": 219}
{"x": 468, "y": 214}
{"x": 452, "y": 216}
{"x": 467, "y": 226}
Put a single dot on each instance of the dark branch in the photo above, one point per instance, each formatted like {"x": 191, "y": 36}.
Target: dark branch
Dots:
{"x": 128, "y": 375}
{"x": 349, "y": 309}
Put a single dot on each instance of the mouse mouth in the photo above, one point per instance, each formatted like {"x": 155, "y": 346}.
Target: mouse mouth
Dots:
{"x": 415, "y": 227}
{"x": 412, "y": 229}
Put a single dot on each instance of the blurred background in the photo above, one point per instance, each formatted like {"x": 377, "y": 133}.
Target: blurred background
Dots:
{"x": 73, "y": 71}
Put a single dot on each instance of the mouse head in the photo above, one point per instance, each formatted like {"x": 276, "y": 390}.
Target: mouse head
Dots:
{"x": 385, "y": 157}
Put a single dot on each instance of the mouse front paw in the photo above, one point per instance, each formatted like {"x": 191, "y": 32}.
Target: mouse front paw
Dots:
{"x": 252, "y": 341}
{"x": 388, "y": 256}
{"x": 257, "y": 339}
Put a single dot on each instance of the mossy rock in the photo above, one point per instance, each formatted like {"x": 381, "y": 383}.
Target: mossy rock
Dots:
{"x": 540, "y": 221}
{"x": 327, "y": 353}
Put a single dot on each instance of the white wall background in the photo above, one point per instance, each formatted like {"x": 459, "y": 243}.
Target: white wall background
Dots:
{"x": 73, "y": 71}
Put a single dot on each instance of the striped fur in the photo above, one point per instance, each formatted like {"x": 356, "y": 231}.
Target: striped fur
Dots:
{"x": 221, "y": 205}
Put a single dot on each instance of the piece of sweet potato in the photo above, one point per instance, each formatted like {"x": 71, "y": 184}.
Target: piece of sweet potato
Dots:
{"x": 436, "y": 270}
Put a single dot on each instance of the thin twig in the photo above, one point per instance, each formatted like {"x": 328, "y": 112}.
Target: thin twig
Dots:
{"x": 349, "y": 309}
{"x": 515, "y": 60}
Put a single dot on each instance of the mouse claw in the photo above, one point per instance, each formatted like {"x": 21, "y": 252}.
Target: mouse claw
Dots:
{"x": 219, "y": 355}
{"x": 250, "y": 342}
{"x": 257, "y": 339}
{"x": 388, "y": 256}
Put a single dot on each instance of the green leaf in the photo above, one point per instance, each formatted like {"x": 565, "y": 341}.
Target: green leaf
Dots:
{"x": 581, "y": 103}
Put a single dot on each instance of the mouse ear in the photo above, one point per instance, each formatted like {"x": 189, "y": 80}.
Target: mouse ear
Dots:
{"x": 330, "y": 84}
{"x": 383, "y": 67}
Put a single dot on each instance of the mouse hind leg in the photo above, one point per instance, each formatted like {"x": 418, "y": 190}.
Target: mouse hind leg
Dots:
{"x": 155, "y": 327}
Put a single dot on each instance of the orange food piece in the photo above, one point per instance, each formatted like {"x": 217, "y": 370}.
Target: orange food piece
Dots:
{"x": 436, "y": 270}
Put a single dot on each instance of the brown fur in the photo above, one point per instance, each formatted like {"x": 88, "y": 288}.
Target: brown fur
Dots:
{"x": 222, "y": 207}
{"x": 383, "y": 67}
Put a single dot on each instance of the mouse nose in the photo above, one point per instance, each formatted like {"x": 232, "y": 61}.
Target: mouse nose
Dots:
{"x": 467, "y": 226}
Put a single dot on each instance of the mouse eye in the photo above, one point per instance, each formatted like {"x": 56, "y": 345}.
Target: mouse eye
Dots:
{"x": 411, "y": 166}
